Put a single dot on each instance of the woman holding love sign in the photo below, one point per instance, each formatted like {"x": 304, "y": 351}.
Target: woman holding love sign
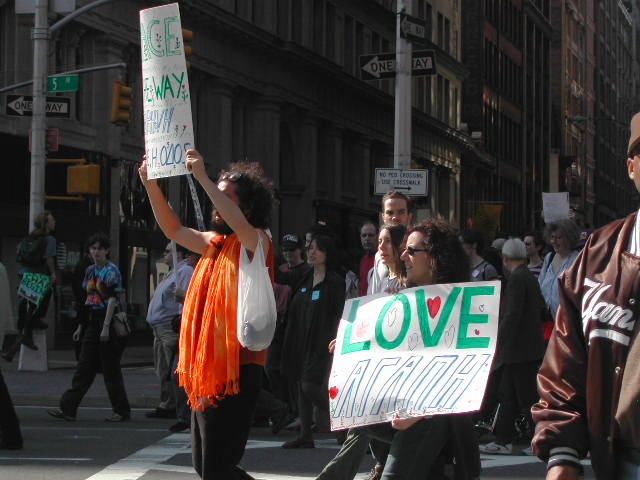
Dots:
{"x": 421, "y": 446}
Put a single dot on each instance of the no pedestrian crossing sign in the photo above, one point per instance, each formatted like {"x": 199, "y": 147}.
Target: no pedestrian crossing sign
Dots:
{"x": 412, "y": 182}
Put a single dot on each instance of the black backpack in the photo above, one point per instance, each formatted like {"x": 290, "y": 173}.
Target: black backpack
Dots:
{"x": 32, "y": 250}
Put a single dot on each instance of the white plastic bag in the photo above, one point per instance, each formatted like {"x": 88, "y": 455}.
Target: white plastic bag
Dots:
{"x": 256, "y": 301}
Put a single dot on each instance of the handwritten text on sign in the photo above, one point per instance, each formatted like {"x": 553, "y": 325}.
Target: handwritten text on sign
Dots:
{"x": 168, "y": 126}
{"x": 34, "y": 287}
{"x": 424, "y": 351}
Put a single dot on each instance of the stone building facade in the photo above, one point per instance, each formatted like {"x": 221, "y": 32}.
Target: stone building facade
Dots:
{"x": 274, "y": 81}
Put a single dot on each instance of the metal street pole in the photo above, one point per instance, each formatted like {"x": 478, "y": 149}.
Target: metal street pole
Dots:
{"x": 402, "y": 133}
{"x": 40, "y": 36}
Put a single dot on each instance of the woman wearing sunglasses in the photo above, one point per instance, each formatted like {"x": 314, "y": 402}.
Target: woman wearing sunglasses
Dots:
{"x": 421, "y": 446}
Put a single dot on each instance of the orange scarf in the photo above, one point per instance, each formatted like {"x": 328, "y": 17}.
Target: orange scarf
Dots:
{"x": 209, "y": 364}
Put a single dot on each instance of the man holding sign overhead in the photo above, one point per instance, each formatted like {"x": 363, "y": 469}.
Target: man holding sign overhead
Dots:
{"x": 221, "y": 378}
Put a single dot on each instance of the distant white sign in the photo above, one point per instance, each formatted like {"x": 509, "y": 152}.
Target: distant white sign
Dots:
{"x": 555, "y": 206}
{"x": 412, "y": 182}
{"x": 168, "y": 125}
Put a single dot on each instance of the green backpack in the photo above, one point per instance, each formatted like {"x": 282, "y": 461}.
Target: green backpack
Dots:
{"x": 32, "y": 250}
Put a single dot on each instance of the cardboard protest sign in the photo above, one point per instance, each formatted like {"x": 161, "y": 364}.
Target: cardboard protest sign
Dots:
{"x": 168, "y": 126}
{"x": 34, "y": 286}
{"x": 423, "y": 351}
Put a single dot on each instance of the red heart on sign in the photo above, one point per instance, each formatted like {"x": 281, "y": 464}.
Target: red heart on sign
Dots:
{"x": 333, "y": 392}
{"x": 434, "y": 306}
{"x": 361, "y": 329}
{"x": 476, "y": 331}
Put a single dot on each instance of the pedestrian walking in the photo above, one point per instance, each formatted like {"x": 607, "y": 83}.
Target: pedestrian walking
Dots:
{"x": 420, "y": 447}
{"x": 101, "y": 348}
{"x": 37, "y": 256}
{"x": 312, "y": 321}
{"x": 520, "y": 346}
{"x": 161, "y": 314}
{"x": 589, "y": 381}
{"x": 222, "y": 379}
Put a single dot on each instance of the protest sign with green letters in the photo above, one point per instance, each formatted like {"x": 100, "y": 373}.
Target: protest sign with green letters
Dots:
{"x": 424, "y": 351}
{"x": 168, "y": 125}
{"x": 34, "y": 286}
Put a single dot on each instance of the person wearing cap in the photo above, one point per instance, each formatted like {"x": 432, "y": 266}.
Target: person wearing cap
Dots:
{"x": 295, "y": 268}
{"x": 520, "y": 345}
{"x": 589, "y": 381}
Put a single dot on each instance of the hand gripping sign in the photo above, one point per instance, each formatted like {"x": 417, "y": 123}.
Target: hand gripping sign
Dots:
{"x": 423, "y": 351}
{"x": 168, "y": 126}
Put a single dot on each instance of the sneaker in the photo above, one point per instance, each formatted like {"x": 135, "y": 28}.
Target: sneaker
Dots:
{"x": 528, "y": 451}
{"x": 116, "y": 417}
{"x": 497, "y": 449}
{"x": 179, "y": 427}
{"x": 57, "y": 413}
{"x": 161, "y": 413}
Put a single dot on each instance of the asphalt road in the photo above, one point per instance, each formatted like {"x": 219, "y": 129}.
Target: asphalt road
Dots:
{"x": 143, "y": 449}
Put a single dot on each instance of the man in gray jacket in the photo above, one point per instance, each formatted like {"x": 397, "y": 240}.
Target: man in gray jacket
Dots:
{"x": 520, "y": 345}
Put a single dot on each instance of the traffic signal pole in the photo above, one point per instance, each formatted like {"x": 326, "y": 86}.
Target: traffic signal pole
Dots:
{"x": 40, "y": 36}
{"x": 402, "y": 133}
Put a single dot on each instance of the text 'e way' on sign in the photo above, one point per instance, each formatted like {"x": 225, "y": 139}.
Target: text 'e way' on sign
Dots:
{"x": 22, "y": 105}
{"x": 412, "y": 182}
{"x": 383, "y": 65}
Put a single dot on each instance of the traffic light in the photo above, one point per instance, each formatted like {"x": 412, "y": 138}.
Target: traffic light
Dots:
{"x": 121, "y": 103}
{"x": 187, "y": 38}
{"x": 83, "y": 179}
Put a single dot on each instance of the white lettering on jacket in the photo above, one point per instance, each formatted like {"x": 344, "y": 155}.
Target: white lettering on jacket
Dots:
{"x": 610, "y": 318}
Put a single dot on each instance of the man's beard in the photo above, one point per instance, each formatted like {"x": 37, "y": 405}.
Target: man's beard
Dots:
{"x": 220, "y": 227}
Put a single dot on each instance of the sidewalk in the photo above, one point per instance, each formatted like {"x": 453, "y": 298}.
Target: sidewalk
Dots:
{"x": 46, "y": 388}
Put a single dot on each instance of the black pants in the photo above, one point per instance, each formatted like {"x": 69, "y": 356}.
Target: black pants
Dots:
{"x": 517, "y": 393}
{"x": 96, "y": 356}
{"x": 10, "y": 434}
{"x": 219, "y": 434}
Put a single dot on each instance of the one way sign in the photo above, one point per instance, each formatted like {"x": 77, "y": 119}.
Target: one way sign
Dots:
{"x": 22, "y": 105}
{"x": 383, "y": 65}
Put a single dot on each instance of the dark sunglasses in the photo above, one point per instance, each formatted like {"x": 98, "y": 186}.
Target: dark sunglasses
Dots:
{"x": 289, "y": 249}
{"x": 231, "y": 177}
{"x": 167, "y": 251}
{"x": 412, "y": 251}
{"x": 528, "y": 244}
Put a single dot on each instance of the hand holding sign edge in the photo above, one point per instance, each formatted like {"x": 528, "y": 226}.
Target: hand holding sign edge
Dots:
{"x": 195, "y": 164}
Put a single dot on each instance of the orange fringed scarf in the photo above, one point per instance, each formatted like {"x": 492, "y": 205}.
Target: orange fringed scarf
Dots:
{"x": 209, "y": 351}
{"x": 208, "y": 365}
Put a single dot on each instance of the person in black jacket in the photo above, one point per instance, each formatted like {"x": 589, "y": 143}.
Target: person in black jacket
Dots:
{"x": 312, "y": 322}
{"x": 520, "y": 346}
